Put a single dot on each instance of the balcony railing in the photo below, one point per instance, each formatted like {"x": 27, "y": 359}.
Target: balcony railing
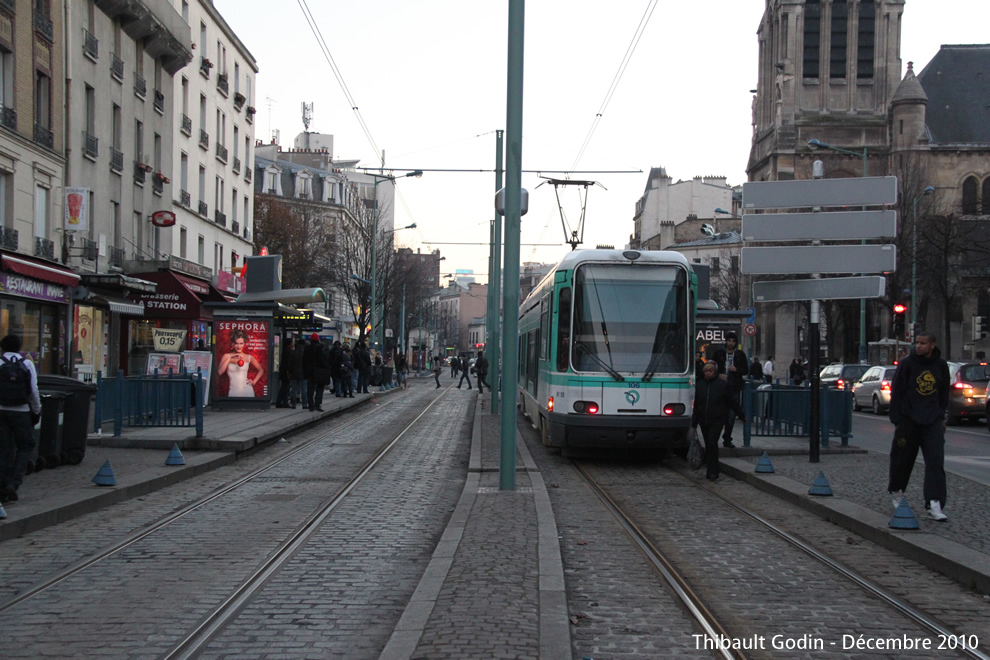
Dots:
{"x": 220, "y": 218}
{"x": 222, "y": 85}
{"x": 239, "y": 100}
{"x": 184, "y": 198}
{"x": 8, "y": 238}
{"x": 237, "y": 165}
{"x": 186, "y": 125}
{"x": 8, "y": 118}
{"x": 117, "y": 256}
{"x": 91, "y": 45}
{"x": 116, "y": 68}
{"x": 44, "y": 248}
{"x": 204, "y": 66}
{"x": 157, "y": 185}
{"x": 44, "y": 136}
{"x": 204, "y": 210}
{"x": 91, "y": 145}
{"x": 116, "y": 160}
{"x": 221, "y": 153}
{"x": 247, "y": 173}
{"x": 140, "y": 174}
{"x": 90, "y": 250}
{"x": 159, "y": 102}
{"x": 43, "y": 26}
{"x": 9, "y": 5}
{"x": 235, "y": 227}
{"x": 204, "y": 139}
{"x": 140, "y": 87}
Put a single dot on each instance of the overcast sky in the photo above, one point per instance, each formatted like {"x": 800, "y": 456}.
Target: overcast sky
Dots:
{"x": 428, "y": 79}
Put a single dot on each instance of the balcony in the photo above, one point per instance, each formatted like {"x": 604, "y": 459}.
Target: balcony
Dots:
{"x": 235, "y": 227}
{"x": 140, "y": 173}
{"x": 90, "y": 250}
{"x": 247, "y": 173}
{"x": 9, "y": 5}
{"x": 237, "y": 165}
{"x": 91, "y": 45}
{"x": 117, "y": 256}
{"x": 204, "y": 140}
{"x": 204, "y": 67}
{"x": 91, "y": 146}
{"x": 44, "y": 136}
{"x": 204, "y": 210}
{"x": 44, "y": 248}
{"x": 116, "y": 68}
{"x": 221, "y": 153}
{"x": 157, "y": 186}
{"x": 186, "y": 125}
{"x": 159, "y": 102}
{"x": 184, "y": 198}
{"x": 220, "y": 218}
{"x": 43, "y": 26}
{"x": 239, "y": 100}
{"x": 249, "y": 114}
{"x": 8, "y": 118}
{"x": 8, "y": 238}
{"x": 222, "y": 85}
{"x": 140, "y": 87}
{"x": 116, "y": 160}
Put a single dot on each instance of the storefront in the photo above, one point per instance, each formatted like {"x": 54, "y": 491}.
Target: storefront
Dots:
{"x": 99, "y": 311}
{"x": 176, "y": 304}
{"x": 35, "y": 296}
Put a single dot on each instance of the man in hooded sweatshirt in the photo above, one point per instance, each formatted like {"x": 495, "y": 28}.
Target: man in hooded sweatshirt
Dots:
{"x": 919, "y": 397}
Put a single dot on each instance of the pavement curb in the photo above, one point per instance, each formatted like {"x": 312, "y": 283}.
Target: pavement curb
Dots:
{"x": 962, "y": 564}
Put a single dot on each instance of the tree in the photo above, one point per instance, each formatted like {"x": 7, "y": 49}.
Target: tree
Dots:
{"x": 301, "y": 233}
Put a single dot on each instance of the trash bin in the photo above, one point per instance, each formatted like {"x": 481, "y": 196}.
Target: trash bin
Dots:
{"x": 76, "y": 409}
{"x": 52, "y": 421}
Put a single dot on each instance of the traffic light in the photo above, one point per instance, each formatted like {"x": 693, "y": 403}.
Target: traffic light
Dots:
{"x": 900, "y": 312}
{"x": 979, "y": 327}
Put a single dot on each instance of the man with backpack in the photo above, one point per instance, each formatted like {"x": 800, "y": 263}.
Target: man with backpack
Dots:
{"x": 20, "y": 410}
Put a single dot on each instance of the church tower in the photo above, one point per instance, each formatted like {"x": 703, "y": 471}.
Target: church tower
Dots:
{"x": 828, "y": 71}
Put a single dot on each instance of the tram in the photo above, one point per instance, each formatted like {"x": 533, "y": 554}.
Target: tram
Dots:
{"x": 605, "y": 350}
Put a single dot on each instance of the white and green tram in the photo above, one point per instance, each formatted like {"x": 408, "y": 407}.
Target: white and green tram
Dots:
{"x": 605, "y": 350}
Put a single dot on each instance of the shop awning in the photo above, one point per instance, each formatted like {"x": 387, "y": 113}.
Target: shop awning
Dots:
{"x": 39, "y": 270}
{"x": 119, "y": 305}
{"x": 286, "y": 296}
{"x": 176, "y": 296}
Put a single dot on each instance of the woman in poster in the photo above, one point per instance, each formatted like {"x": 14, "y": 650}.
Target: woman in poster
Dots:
{"x": 237, "y": 365}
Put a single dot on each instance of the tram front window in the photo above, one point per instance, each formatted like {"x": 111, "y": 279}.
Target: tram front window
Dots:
{"x": 630, "y": 319}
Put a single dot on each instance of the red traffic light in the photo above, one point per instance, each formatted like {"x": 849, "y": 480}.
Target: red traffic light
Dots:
{"x": 900, "y": 308}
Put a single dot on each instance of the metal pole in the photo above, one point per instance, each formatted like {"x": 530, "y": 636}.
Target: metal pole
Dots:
{"x": 402, "y": 323}
{"x": 495, "y": 281}
{"x": 513, "y": 195}
{"x": 814, "y": 363}
{"x": 862, "y": 301}
{"x": 374, "y": 272}
{"x": 914, "y": 265}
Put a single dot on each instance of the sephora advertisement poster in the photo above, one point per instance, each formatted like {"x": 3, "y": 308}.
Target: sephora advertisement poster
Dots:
{"x": 241, "y": 358}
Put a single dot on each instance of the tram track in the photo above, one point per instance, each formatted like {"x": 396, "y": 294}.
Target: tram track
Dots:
{"x": 693, "y": 600}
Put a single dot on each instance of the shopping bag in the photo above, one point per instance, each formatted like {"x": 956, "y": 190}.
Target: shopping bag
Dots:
{"x": 696, "y": 452}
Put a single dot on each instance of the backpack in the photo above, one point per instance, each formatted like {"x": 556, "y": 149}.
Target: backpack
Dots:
{"x": 15, "y": 382}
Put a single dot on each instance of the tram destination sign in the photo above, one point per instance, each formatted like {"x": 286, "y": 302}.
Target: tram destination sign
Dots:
{"x": 810, "y": 193}
{"x": 833, "y": 288}
{"x": 827, "y": 259}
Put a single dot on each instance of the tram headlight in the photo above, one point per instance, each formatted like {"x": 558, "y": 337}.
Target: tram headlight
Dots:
{"x": 674, "y": 409}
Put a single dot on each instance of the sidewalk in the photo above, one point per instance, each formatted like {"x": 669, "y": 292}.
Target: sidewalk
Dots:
{"x": 138, "y": 458}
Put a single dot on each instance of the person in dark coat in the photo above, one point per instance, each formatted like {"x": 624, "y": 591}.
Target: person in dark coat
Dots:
{"x": 362, "y": 362}
{"x": 284, "y": 375}
{"x": 317, "y": 361}
{"x": 298, "y": 374}
{"x": 454, "y": 366}
{"x": 732, "y": 367}
{"x": 712, "y": 402}
{"x": 346, "y": 372}
{"x": 465, "y": 372}
{"x": 336, "y": 353}
{"x": 919, "y": 398}
{"x": 481, "y": 368}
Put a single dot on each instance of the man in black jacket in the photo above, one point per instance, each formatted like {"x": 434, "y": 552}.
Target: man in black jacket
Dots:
{"x": 362, "y": 362}
{"x": 919, "y": 397}
{"x": 316, "y": 360}
{"x": 712, "y": 402}
{"x": 732, "y": 368}
{"x": 481, "y": 368}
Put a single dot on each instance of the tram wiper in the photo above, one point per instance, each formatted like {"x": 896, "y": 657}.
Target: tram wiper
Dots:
{"x": 651, "y": 368}
{"x": 611, "y": 372}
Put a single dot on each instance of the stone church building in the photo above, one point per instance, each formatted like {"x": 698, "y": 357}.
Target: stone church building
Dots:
{"x": 831, "y": 71}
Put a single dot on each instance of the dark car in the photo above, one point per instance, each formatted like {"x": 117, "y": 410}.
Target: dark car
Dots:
{"x": 842, "y": 376}
{"x": 967, "y": 391}
{"x": 873, "y": 389}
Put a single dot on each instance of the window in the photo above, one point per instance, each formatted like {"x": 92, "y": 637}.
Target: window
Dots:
{"x": 221, "y": 58}
{"x": 6, "y": 216}
{"x": 43, "y": 100}
{"x": 6, "y": 78}
{"x": 115, "y": 209}
{"x": 185, "y": 11}
{"x": 970, "y": 193}
{"x": 812, "y": 37}
{"x": 864, "y": 43}
{"x": 217, "y": 257}
{"x": 115, "y": 127}
{"x": 90, "y": 101}
{"x": 41, "y": 211}
{"x": 184, "y": 172}
{"x": 237, "y": 77}
{"x": 563, "y": 329}
{"x": 202, "y": 250}
{"x": 182, "y": 242}
{"x": 236, "y": 140}
{"x": 986, "y": 196}
{"x": 233, "y": 205}
{"x": 202, "y": 38}
{"x": 247, "y": 88}
{"x": 246, "y": 207}
{"x": 219, "y": 199}
{"x": 139, "y": 58}
{"x": 139, "y": 141}
{"x": 839, "y": 39}
{"x": 185, "y": 96}
{"x": 715, "y": 265}
{"x": 202, "y": 184}
{"x": 158, "y": 152}
{"x": 202, "y": 111}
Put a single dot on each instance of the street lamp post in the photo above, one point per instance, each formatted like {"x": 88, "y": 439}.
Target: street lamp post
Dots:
{"x": 818, "y": 144}
{"x": 375, "y": 330}
{"x": 914, "y": 257}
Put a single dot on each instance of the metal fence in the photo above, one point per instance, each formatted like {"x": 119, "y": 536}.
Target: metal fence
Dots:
{"x": 785, "y": 410}
{"x": 156, "y": 400}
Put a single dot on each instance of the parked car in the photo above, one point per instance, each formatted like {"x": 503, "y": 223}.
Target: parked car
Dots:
{"x": 968, "y": 391}
{"x": 872, "y": 390}
{"x": 842, "y": 376}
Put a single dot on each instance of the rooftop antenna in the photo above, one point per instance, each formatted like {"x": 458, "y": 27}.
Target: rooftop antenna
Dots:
{"x": 270, "y": 100}
{"x": 574, "y": 237}
{"x": 307, "y": 115}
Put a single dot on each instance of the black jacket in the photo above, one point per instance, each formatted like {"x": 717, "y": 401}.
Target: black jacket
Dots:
{"x": 735, "y": 379}
{"x": 481, "y": 366}
{"x": 712, "y": 401}
{"x": 315, "y": 355}
{"x": 920, "y": 390}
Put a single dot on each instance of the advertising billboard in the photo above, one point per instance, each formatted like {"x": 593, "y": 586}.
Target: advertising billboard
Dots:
{"x": 241, "y": 359}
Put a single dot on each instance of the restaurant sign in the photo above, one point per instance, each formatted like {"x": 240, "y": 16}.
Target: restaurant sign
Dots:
{"x": 31, "y": 288}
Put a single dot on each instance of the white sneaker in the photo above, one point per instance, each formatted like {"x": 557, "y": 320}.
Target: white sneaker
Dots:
{"x": 898, "y": 496}
{"x": 935, "y": 511}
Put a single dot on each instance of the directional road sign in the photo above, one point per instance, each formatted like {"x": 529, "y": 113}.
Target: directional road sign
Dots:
{"x": 833, "y": 288}
{"x": 829, "y": 259}
{"x": 809, "y": 193}
{"x": 844, "y": 225}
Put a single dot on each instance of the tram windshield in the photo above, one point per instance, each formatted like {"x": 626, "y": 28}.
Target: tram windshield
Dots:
{"x": 630, "y": 319}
